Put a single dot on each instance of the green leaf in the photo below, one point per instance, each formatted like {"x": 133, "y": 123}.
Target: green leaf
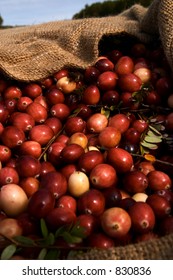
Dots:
{"x": 153, "y": 139}
{"x": 153, "y": 134}
{"x": 144, "y": 150}
{"x": 105, "y": 112}
{"x": 154, "y": 129}
{"x": 44, "y": 229}
{"x": 42, "y": 254}
{"x": 50, "y": 239}
{"x": 52, "y": 254}
{"x": 70, "y": 238}
{"x": 23, "y": 240}
{"x": 149, "y": 145}
{"x": 59, "y": 231}
{"x": 8, "y": 252}
{"x": 78, "y": 231}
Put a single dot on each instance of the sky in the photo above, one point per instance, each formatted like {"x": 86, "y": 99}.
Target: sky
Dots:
{"x": 29, "y": 12}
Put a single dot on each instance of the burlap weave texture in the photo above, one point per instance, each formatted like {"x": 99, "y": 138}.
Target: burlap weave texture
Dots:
{"x": 36, "y": 51}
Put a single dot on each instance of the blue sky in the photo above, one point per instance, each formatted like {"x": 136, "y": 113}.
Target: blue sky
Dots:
{"x": 28, "y": 12}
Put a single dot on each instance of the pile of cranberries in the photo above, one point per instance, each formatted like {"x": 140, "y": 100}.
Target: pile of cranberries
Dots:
{"x": 93, "y": 147}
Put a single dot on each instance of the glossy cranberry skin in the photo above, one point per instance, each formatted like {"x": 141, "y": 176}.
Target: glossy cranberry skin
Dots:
{"x": 140, "y": 125}
{"x": 103, "y": 175}
{"x": 28, "y": 166}
{"x": 72, "y": 100}
{"x": 73, "y": 125}
{"x": 62, "y": 138}
{"x": 142, "y": 217}
{"x": 158, "y": 180}
{"x": 167, "y": 194}
{"x": 91, "y": 74}
{"x": 96, "y": 123}
{"x": 32, "y": 90}
{"x": 4, "y": 112}
{"x": 8, "y": 175}
{"x": 42, "y": 133}
{"x": 41, "y": 203}
{"x": 112, "y": 196}
{"x": 37, "y": 111}
{"x": 46, "y": 167}
{"x": 28, "y": 224}
{"x": 55, "y": 182}
{"x": 42, "y": 101}
{"x": 129, "y": 82}
{"x": 89, "y": 160}
{"x": 91, "y": 95}
{"x": 153, "y": 98}
{"x": 91, "y": 202}
{"x": 160, "y": 205}
{"x": 68, "y": 169}
{"x": 126, "y": 203}
{"x": 53, "y": 153}
{"x": 88, "y": 222}
{"x": 132, "y": 136}
{"x": 100, "y": 240}
{"x": 47, "y": 82}
{"x": 124, "y": 65}
{"x": 23, "y": 121}
{"x": 59, "y": 217}
{"x": 71, "y": 153}
{"x": 54, "y": 96}
{"x": 120, "y": 159}
{"x": 32, "y": 148}
{"x": 119, "y": 121}
{"x": 5, "y": 153}
{"x": 107, "y": 80}
{"x": 116, "y": 222}
{"x": 110, "y": 98}
{"x": 127, "y": 100}
{"x": 67, "y": 201}
{"x": 11, "y": 105}
{"x": 109, "y": 137}
{"x": 12, "y": 136}
{"x": 23, "y": 103}
{"x": 30, "y": 185}
{"x": 60, "y": 74}
{"x": 84, "y": 111}
{"x": 54, "y": 123}
{"x": 114, "y": 55}
{"x": 60, "y": 110}
{"x": 104, "y": 64}
{"x": 135, "y": 182}
{"x": 12, "y": 92}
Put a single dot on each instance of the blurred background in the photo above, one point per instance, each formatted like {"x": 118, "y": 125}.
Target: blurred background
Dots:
{"x": 29, "y": 12}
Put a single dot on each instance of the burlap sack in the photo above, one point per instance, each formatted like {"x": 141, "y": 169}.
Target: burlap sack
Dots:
{"x": 156, "y": 249}
{"x": 34, "y": 52}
